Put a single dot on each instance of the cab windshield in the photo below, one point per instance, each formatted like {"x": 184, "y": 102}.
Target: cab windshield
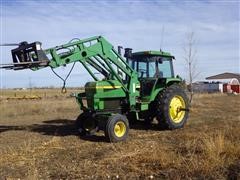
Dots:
{"x": 152, "y": 66}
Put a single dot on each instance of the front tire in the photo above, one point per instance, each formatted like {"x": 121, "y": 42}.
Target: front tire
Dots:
{"x": 117, "y": 128}
{"x": 172, "y": 107}
{"x": 86, "y": 124}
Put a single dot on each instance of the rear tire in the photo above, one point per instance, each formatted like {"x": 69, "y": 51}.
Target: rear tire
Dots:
{"x": 117, "y": 128}
{"x": 172, "y": 107}
{"x": 86, "y": 124}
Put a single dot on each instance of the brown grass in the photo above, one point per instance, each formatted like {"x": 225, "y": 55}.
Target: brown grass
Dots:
{"x": 38, "y": 141}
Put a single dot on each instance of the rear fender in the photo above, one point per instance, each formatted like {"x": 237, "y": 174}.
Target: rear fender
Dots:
{"x": 161, "y": 84}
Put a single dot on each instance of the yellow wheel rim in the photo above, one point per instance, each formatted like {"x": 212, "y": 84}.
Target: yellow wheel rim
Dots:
{"x": 119, "y": 129}
{"x": 175, "y": 109}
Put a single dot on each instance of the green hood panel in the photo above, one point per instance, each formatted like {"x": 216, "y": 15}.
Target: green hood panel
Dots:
{"x": 99, "y": 91}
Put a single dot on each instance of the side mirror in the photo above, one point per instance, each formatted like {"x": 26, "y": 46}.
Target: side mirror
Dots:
{"x": 160, "y": 60}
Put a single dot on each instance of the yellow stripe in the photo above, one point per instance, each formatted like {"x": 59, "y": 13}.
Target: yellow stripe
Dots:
{"x": 104, "y": 87}
{"x": 107, "y": 87}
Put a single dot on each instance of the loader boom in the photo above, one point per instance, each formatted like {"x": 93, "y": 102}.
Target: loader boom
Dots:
{"x": 95, "y": 52}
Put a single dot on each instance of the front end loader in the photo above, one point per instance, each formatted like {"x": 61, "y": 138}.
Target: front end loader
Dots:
{"x": 138, "y": 86}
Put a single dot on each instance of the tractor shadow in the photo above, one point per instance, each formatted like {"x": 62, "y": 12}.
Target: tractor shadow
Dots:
{"x": 94, "y": 138}
{"x": 56, "y": 127}
{"x": 66, "y": 127}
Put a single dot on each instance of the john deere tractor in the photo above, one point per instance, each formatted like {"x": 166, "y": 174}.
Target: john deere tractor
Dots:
{"x": 142, "y": 86}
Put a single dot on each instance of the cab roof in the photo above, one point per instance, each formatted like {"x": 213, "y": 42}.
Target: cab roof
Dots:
{"x": 153, "y": 53}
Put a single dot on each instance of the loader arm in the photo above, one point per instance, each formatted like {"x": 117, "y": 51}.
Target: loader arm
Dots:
{"x": 96, "y": 52}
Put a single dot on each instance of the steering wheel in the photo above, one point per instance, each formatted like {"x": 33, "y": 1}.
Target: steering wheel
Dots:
{"x": 142, "y": 71}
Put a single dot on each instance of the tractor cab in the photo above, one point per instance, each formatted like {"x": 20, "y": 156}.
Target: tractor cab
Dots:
{"x": 152, "y": 64}
{"x": 152, "y": 67}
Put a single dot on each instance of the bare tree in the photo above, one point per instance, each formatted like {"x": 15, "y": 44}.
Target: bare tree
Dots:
{"x": 190, "y": 58}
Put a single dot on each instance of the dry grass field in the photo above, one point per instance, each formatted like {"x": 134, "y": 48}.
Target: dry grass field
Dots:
{"x": 38, "y": 140}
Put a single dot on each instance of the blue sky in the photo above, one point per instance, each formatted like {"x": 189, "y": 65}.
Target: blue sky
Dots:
{"x": 136, "y": 24}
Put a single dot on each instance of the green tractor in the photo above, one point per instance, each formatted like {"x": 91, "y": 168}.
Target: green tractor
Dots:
{"x": 141, "y": 86}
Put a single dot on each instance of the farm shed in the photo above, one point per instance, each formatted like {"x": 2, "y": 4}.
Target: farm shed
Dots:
{"x": 230, "y": 81}
{"x": 209, "y": 87}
